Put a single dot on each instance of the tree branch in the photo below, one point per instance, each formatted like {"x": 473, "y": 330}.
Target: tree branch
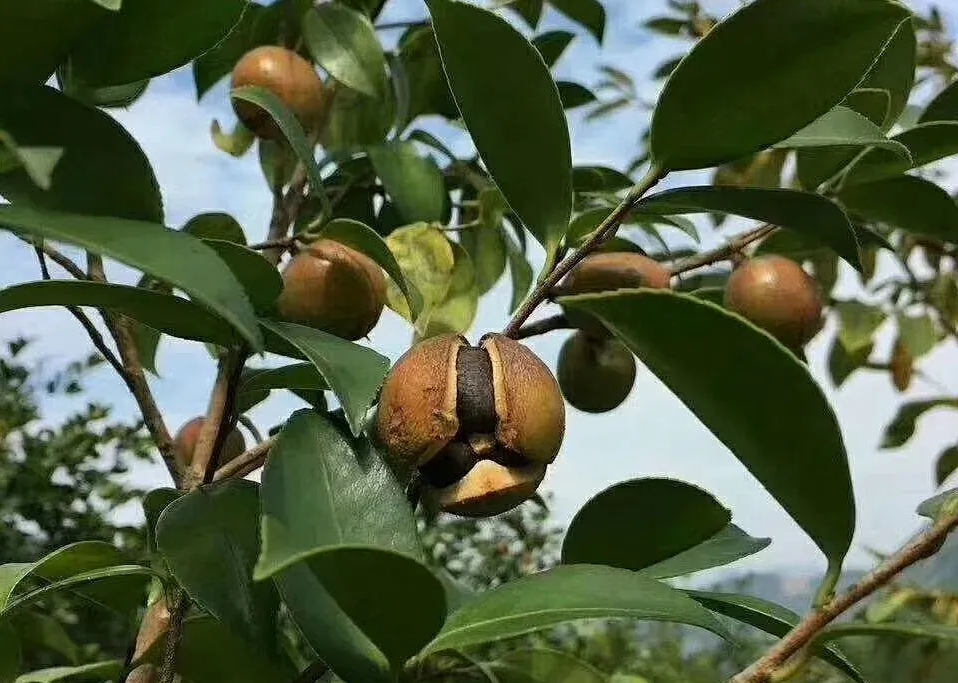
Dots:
{"x": 555, "y": 322}
{"x": 924, "y": 545}
{"x": 247, "y": 462}
{"x": 724, "y": 252}
{"x": 605, "y": 230}
{"x": 61, "y": 260}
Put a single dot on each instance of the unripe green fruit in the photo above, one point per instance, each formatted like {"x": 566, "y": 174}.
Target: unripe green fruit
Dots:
{"x": 333, "y": 288}
{"x": 285, "y": 74}
{"x": 185, "y": 442}
{"x": 480, "y": 424}
{"x": 776, "y": 294}
{"x": 608, "y": 271}
{"x": 596, "y": 375}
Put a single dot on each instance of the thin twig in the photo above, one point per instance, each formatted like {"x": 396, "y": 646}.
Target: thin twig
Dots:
{"x": 555, "y": 322}
{"x": 61, "y": 260}
{"x": 724, "y": 252}
{"x": 388, "y": 25}
{"x": 216, "y": 415}
{"x": 250, "y": 427}
{"x": 281, "y": 243}
{"x": 605, "y": 230}
{"x": 924, "y": 545}
{"x": 173, "y": 635}
{"x": 248, "y": 462}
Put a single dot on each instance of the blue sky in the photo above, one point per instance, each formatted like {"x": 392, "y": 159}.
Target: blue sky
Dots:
{"x": 652, "y": 434}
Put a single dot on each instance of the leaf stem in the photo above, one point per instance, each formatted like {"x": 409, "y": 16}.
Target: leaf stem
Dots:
{"x": 601, "y": 234}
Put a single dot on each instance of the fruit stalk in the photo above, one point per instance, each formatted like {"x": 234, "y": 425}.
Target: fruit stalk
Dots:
{"x": 245, "y": 463}
{"x": 605, "y": 230}
{"x": 724, "y": 252}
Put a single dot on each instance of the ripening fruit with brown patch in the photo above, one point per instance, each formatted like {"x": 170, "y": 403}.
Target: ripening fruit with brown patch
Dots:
{"x": 479, "y": 423}
{"x": 189, "y": 434}
{"x": 776, "y": 294}
{"x": 607, "y": 271}
{"x": 285, "y": 74}
{"x": 333, "y": 288}
{"x": 595, "y": 375}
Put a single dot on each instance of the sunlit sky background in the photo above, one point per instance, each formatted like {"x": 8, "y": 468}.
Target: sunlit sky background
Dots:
{"x": 652, "y": 434}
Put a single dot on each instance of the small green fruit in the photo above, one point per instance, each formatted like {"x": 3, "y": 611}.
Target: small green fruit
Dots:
{"x": 596, "y": 375}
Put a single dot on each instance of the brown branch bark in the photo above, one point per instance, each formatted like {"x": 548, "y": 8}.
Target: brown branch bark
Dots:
{"x": 605, "y": 230}
{"x": 722, "y": 253}
{"x": 924, "y": 545}
{"x": 247, "y": 462}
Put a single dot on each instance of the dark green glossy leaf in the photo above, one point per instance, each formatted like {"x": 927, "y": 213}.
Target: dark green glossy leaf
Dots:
{"x": 165, "y": 313}
{"x": 37, "y": 36}
{"x": 844, "y": 127}
{"x": 902, "y": 426}
{"x": 913, "y": 204}
{"x": 357, "y": 120}
{"x": 613, "y": 527}
{"x": 295, "y": 376}
{"x": 110, "y": 587}
{"x": 260, "y": 279}
{"x": 588, "y": 13}
{"x": 151, "y": 37}
{"x": 800, "y": 461}
{"x": 841, "y": 363}
{"x": 354, "y": 372}
{"x": 773, "y": 619}
{"x": 100, "y": 96}
{"x": 520, "y": 272}
{"x": 894, "y": 72}
{"x": 762, "y": 74}
{"x": 946, "y": 464}
{"x": 927, "y": 143}
{"x": 486, "y": 247}
{"x": 564, "y": 594}
{"x": 413, "y": 182}
{"x": 529, "y": 10}
{"x": 215, "y": 225}
{"x": 364, "y": 239}
{"x": 177, "y": 258}
{"x": 552, "y": 44}
{"x": 102, "y": 170}
{"x": 322, "y": 491}
{"x": 501, "y": 93}
{"x": 725, "y": 547}
{"x": 944, "y": 107}
{"x": 154, "y": 504}
{"x": 97, "y": 671}
{"x": 210, "y": 539}
{"x": 344, "y": 43}
{"x": 808, "y": 214}
{"x": 599, "y": 179}
{"x": 37, "y": 162}
{"x": 553, "y": 666}
{"x": 574, "y": 95}
{"x": 39, "y": 631}
{"x": 9, "y": 653}
{"x": 425, "y": 81}
{"x": 234, "y": 659}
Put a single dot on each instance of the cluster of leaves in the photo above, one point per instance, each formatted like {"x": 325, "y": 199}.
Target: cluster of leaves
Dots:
{"x": 329, "y": 533}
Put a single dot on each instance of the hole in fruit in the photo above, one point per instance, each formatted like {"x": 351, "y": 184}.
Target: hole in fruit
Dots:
{"x": 449, "y": 465}
{"x": 475, "y": 396}
{"x": 507, "y": 457}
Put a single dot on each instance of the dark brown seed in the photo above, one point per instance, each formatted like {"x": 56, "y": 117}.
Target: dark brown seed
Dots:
{"x": 449, "y": 465}
{"x": 475, "y": 397}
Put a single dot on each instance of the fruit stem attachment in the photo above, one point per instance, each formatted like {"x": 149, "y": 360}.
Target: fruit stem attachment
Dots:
{"x": 605, "y": 230}
{"x": 534, "y": 329}
{"x": 724, "y": 252}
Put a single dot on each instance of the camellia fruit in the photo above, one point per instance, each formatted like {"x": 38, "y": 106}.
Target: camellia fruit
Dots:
{"x": 776, "y": 294}
{"x": 479, "y": 423}
{"x": 595, "y": 375}
{"x": 333, "y": 288}
{"x": 185, "y": 442}
{"x": 285, "y": 74}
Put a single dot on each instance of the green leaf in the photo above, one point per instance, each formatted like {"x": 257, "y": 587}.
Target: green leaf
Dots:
{"x": 37, "y": 36}
{"x": 155, "y": 502}
{"x": 935, "y": 506}
{"x": 105, "y": 584}
{"x": 165, "y": 313}
{"x": 236, "y": 142}
{"x": 553, "y": 666}
{"x": 520, "y": 272}
{"x": 915, "y": 205}
{"x": 906, "y": 629}
{"x": 858, "y": 324}
{"x": 902, "y": 426}
{"x": 727, "y": 546}
{"x": 841, "y": 363}
{"x": 260, "y": 279}
{"x": 772, "y": 619}
{"x": 42, "y": 632}
{"x": 564, "y": 594}
{"x": 292, "y": 130}
{"x": 946, "y": 464}
{"x": 344, "y": 42}
{"x": 551, "y": 45}
{"x": 457, "y": 310}
{"x": 917, "y": 333}
{"x": 808, "y": 214}
{"x": 9, "y": 653}
{"x": 100, "y": 96}
{"x": 588, "y": 13}
{"x": 767, "y": 71}
{"x": 235, "y": 660}
{"x": 427, "y": 260}
{"x": 215, "y": 225}
{"x": 151, "y": 37}
{"x": 357, "y": 120}
{"x": 842, "y": 127}
{"x": 321, "y": 491}
{"x": 529, "y": 10}
{"x": 102, "y": 170}
{"x": 354, "y": 372}
{"x": 364, "y": 239}
{"x": 295, "y": 376}
{"x": 927, "y": 143}
{"x": 599, "y": 179}
{"x": 801, "y": 461}
{"x": 944, "y": 107}
{"x": 574, "y": 95}
{"x": 486, "y": 246}
{"x": 210, "y": 539}
{"x": 894, "y": 72}
{"x": 501, "y": 93}
{"x": 427, "y": 90}
{"x": 98, "y": 671}
{"x": 177, "y": 258}
{"x": 37, "y": 162}
{"x": 613, "y": 527}
{"x": 413, "y": 182}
